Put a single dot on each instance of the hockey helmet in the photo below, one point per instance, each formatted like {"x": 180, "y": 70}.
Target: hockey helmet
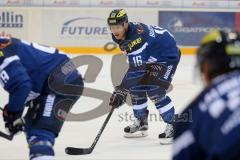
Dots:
{"x": 221, "y": 51}
{"x": 117, "y": 17}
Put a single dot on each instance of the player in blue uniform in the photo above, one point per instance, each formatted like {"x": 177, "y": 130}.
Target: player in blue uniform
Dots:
{"x": 214, "y": 131}
{"x": 35, "y": 76}
{"x": 153, "y": 57}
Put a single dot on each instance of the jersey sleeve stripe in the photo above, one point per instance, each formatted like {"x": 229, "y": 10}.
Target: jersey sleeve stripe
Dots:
{"x": 7, "y": 61}
{"x": 144, "y": 46}
{"x": 182, "y": 142}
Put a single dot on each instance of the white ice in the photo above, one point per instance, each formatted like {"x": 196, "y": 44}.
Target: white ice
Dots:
{"x": 112, "y": 144}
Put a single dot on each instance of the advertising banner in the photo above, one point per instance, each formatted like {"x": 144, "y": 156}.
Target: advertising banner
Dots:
{"x": 234, "y": 4}
{"x": 14, "y": 21}
{"x": 85, "y": 30}
{"x": 205, "y": 4}
{"x": 159, "y": 3}
{"x": 11, "y": 2}
{"x": 75, "y": 28}
{"x": 65, "y": 3}
{"x": 189, "y": 27}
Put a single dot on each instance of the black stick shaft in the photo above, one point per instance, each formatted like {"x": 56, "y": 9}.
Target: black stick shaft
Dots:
{"x": 6, "y": 136}
{"x": 103, "y": 127}
{"x": 80, "y": 151}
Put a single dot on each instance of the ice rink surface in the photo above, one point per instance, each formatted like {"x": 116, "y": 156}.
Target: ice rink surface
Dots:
{"x": 112, "y": 144}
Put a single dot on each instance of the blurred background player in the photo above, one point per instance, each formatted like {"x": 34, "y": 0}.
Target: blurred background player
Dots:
{"x": 29, "y": 72}
{"x": 149, "y": 49}
{"x": 214, "y": 130}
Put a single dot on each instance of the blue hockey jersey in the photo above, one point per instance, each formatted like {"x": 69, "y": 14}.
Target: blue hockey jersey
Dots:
{"x": 147, "y": 44}
{"x": 213, "y": 131}
{"x": 24, "y": 68}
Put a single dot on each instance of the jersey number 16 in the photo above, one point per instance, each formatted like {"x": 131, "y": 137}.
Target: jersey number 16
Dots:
{"x": 137, "y": 61}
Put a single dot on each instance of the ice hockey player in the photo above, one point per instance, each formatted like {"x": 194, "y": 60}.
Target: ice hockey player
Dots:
{"x": 153, "y": 57}
{"x": 213, "y": 133}
{"x": 31, "y": 73}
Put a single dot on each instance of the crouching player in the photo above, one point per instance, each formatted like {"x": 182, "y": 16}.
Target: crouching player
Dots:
{"x": 35, "y": 77}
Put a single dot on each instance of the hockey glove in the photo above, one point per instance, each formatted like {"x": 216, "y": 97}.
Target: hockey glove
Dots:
{"x": 124, "y": 45}
{"x": 32, "y": 112}
{"x": 118, "y": 97}
{"x": 13, "y": 121}
{"x": 156, "y": 70}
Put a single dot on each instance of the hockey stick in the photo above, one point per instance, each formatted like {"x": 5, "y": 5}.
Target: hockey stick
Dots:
{"x": 4, "y": 135}
{"x": 81, "y": 151}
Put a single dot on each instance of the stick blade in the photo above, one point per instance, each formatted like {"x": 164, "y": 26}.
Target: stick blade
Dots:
{"x": 77, "y": 151}
{"x": 6, "y": 136}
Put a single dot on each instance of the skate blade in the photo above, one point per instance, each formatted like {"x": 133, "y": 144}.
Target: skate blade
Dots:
{"x": 137, "y": 134}
{"x": 166, "y": 141}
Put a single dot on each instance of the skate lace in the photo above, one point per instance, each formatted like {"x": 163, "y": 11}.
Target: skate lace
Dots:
{"x": 136, "y": 123}
{"x": 169, "y": 130}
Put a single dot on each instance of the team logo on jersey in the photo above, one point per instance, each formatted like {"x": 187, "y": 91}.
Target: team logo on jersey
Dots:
{"x": 1, "y": 54}
{"x": 135, "y": 42}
